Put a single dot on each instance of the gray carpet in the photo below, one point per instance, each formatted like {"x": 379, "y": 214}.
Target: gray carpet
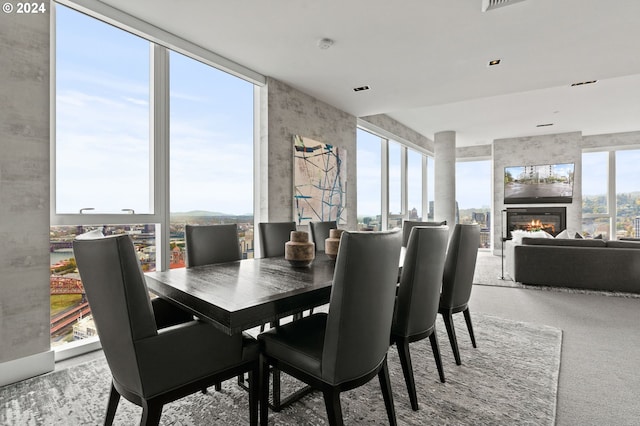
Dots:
{"x": 511, "y": 378}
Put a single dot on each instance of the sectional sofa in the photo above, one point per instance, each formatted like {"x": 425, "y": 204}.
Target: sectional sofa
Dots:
{"x": 579, "y": 263}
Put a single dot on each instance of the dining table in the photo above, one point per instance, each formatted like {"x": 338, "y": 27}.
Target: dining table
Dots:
{"x": 239, "y": 295}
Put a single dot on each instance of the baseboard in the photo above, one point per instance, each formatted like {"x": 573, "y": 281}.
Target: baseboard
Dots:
{"x": 77, "y": 347}
{"x": 27, "y": 367}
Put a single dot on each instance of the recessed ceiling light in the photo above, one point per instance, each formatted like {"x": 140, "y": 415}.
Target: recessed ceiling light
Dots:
{"x": 361, "y": 88}
{"x": 544, "y": 125}
{"x": 494, "y": 62}
{"x": 584, "y": 82}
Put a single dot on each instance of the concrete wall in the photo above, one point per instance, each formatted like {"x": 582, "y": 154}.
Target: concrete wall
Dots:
{"x": 546, "y": 149}
{"x": 402, "y": 133}
{"x": 475, "y": 152}
{"x": 611, "y": 140}
{"x": 286, "y": 112}
{"x": 24, "y": 192}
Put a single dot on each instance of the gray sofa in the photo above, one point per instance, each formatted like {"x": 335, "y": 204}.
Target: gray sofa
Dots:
{"x": 579, "y": 263}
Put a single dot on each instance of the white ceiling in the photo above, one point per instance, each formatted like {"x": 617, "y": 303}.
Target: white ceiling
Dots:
{"x": 426, "y": 60}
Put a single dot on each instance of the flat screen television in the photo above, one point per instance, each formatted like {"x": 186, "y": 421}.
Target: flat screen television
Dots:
{"x": 546, "y": 183}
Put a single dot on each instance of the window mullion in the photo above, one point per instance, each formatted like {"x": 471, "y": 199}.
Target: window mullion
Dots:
{"x": 159, "y": 125}
{"x": 612, "y": 207}
{"x": 384, "y": 160}
{"x": 404, "y": 183}
{"x": 425, "y": 188}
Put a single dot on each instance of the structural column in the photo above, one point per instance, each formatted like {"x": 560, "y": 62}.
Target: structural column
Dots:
{"x": 24, "y": 196}
{"x": 445, "y": 177}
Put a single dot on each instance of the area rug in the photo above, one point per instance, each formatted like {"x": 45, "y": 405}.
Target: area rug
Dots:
{"x": 509, "y": 379}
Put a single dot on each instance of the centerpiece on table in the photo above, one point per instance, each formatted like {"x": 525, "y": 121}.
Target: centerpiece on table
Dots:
{"x": 332, "y": 243}
{"x": 300, "y": 252}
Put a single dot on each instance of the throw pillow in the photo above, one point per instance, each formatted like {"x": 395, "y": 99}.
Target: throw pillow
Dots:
{"x": 578, "y": 236}
{"x": 598, "y": 237}
{"x": 563, "y": 235}
{"x": 540, "y": 234}
{"x": 518, "y": 234}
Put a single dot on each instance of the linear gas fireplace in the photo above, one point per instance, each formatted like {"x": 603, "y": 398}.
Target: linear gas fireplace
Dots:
{"x": 552, "y": 220}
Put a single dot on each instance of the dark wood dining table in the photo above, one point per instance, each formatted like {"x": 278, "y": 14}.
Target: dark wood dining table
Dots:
{"x": 240, "y": 295}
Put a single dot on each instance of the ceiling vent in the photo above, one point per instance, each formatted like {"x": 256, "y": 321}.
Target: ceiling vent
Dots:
{"x": 494, "y": 4}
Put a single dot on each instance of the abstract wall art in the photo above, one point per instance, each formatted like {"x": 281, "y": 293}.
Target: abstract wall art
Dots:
{"x": 320, "y": 181}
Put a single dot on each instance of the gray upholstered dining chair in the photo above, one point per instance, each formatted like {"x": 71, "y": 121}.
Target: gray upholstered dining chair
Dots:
{"x": 457, "y": 281}
{"x": 151, "y": 366}
{"x": 418, "y": 297}
{"x": 273, "y": 237}
{"x": 346, "y": 347}
{"x": 320, "y": 232}
{"x": 209, "y": 244}
{"x": 407, "y": 225}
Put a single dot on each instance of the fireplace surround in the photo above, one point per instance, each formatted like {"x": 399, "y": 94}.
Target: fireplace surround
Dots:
{"x": 552, "y": 220}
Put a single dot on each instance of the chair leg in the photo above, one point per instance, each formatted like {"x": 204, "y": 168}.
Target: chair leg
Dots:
{"x": 254, "y": 394}
{"x": 276, "y": 390}
{"x": 264, "y": 391}
{"x": 112, "y": 406}
{"x": 387, "y": 394}
{"x": 435, "y": 348}
{"x": 467, "y": 318}
{"x": 218, "y": 387}
{"x": 451, "y": 331}
{"x": 334, "y": 409}
{"x": 151, "y": 412}
{"x": 407, "y": 370}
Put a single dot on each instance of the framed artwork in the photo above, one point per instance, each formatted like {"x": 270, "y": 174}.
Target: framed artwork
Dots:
{"x": 320, "y": 181}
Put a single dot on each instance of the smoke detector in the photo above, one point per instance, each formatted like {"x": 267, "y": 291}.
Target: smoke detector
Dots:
{"x": 494, "y": 4}
{"x": 325, "y": 43}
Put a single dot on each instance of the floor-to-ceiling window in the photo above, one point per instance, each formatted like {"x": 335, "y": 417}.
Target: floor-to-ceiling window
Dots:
{"x": 392, "y": 182}
{"x": 596, "y": 217}
{"x": 431, "y": 188}
{"x": 369, "y": 180}
{"x": 114, "y": 168}
{"x": 102, "y": 117}
{"x": 415, "y": 184}
{"x": 211, "y": 139}
{"x": 627, "y": 193}
{"x": 396, "y": 169}
{"x": 473, "y": 196}
{"x": 611, "y": 193}
{"x": 102, "y": 155}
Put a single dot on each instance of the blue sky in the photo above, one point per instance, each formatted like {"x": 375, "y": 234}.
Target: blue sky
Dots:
{"x": 102, "y": 128}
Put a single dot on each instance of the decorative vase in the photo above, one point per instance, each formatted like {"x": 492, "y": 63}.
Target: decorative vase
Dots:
{"x": 332, "y": 243}
{"x": 300, "y": 252}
